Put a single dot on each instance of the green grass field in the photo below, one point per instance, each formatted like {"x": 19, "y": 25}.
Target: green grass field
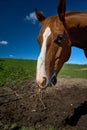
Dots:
{"x": 73, "y": 71}
{"x": 15, "y": 70}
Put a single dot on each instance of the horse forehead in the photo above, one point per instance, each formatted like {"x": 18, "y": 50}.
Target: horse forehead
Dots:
{"x": 55, "y": 28}
{"x": 44, "y": 34}
{"x": 47, "y": 32}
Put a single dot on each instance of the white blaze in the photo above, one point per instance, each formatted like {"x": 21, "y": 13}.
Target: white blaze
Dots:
{"x": 41, "y": 72}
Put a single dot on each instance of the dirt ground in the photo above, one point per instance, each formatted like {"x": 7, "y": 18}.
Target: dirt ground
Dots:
{"x": 63, "y": 106}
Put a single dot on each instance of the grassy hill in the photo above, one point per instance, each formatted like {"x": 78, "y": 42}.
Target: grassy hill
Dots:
{"x": 15, "y": 70}
{"x": 73, "y": 71}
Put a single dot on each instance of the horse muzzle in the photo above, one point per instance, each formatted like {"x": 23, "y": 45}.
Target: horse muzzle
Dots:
{"x": 45, "y": 82}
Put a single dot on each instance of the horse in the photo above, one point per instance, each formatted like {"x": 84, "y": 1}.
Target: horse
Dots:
{"x": 56, "y": 38}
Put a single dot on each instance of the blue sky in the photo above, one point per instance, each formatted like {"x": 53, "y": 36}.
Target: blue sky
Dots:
{"x": 19, "y": 27}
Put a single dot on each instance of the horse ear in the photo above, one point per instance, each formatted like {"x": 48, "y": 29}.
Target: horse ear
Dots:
{"x": 61, "y": 10}
{"x": 39, "y": 15}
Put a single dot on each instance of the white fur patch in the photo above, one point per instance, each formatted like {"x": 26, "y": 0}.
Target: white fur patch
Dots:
{"x": 41, "y": 72}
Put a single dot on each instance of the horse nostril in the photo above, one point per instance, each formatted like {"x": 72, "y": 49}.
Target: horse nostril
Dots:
{"x": 54, "y": 80}
{"x": 44, "y": 81}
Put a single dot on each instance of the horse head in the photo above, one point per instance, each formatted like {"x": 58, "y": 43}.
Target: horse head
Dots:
{"x": 55, "y": 46}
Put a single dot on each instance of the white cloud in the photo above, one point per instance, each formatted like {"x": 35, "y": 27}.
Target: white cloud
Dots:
{"x": 31, "y": 17}
{"x": 3, "y": 42}
{"x": 11, "y": 56}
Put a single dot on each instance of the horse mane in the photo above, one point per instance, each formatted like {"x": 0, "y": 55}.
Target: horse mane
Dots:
{"x": 74, "y": 13}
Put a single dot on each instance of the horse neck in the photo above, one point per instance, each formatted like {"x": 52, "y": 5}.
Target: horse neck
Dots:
{"x": 77, "y": 28}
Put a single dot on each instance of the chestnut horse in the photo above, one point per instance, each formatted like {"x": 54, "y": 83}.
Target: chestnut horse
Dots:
{"x": 58, "y": 34}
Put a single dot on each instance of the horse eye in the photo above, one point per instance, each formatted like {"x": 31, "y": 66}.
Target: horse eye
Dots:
{"x": 59, "y": 39}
